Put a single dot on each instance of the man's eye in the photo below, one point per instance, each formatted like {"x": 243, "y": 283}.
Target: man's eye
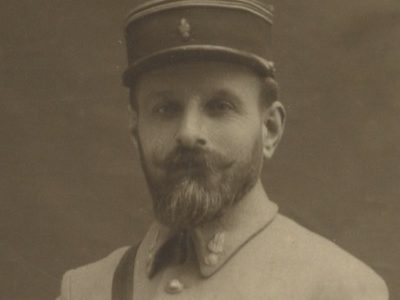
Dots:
{"x": 166, "y": 109}
{"x": 220, "y": 106}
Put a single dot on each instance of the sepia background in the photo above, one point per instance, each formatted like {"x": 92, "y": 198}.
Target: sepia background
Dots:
{"x": 71, "y": 187}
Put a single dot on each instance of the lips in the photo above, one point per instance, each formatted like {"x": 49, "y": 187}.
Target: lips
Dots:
{"x": 191, "y": 169}
{"x": 192, "y": 163}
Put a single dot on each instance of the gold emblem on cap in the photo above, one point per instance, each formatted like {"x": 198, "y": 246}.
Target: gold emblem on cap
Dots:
{"x": 184, "y": 29}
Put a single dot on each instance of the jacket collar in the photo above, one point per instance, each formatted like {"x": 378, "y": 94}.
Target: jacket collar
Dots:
{"x": 215, "y": 242}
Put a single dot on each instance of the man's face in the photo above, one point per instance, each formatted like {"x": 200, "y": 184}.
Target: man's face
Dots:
{"x": 199, "y": 129}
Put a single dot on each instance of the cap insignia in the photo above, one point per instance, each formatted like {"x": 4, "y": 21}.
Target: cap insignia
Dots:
{"x": 184, "y": 29}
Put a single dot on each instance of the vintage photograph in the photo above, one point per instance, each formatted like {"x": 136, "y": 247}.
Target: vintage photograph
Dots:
{"x": 200, "y": 149}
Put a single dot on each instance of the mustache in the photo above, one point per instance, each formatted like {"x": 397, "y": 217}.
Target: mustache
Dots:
{"x": 193, "y": 159}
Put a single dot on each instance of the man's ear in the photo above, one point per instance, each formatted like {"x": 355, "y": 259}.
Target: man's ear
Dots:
{"x": 133, "y": 126}
{"x": 273, "y": 127}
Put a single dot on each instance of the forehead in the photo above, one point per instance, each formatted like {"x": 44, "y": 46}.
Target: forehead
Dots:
{"x": 203, "y": 75}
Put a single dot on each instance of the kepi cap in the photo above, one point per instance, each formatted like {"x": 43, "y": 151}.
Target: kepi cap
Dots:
{"x": 170, "y": 31}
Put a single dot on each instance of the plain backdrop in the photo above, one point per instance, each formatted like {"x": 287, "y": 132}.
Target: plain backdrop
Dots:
{"x": 71, "y": 187}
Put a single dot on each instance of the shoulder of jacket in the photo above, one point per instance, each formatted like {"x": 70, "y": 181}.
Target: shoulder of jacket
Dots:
{"x": 356, "y": 281}
{"x": 103, "y": 265}
{"x": 336, "y": 271}
{"x": 92, "y": 281}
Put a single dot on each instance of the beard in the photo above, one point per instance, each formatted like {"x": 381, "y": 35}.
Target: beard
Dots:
{"x": 198, "y": 185}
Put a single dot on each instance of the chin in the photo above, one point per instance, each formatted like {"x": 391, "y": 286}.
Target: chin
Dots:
{"x": 190, "y": 204}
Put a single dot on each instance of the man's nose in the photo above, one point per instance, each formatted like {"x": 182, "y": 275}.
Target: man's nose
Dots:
{"x": 190, "y": 132}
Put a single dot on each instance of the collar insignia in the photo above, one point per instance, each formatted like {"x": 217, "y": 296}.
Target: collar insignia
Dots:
{"x": 216, "y": 245}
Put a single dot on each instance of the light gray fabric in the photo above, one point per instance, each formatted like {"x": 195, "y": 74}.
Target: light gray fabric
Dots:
{"x": 279, "y": 261}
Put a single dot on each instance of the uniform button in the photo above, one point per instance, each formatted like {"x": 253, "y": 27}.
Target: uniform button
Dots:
{"x": 211, "y": 259}
{"x": 174, "y": 286}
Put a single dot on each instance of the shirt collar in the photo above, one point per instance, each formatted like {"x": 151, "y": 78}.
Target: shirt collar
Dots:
{"x": 215, "y": 242}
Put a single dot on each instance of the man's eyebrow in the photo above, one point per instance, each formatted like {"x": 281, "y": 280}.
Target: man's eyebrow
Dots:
{"x": 158, "y": 95}
{"x": 228, "y": 95}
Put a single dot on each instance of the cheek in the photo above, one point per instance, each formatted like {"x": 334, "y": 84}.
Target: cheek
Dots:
{"x": 236, "y": 138}
{"x": 155, "y": 140}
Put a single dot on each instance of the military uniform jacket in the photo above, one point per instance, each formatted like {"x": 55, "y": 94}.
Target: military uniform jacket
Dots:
{"x": 252, "y": 252}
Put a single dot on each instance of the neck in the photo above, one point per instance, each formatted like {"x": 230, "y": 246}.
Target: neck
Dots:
{"x": 257, "y": 191}
{"x": 255, "y": 198}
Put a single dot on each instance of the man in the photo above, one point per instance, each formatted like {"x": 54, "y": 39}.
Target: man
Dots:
{"x": 205, "y": 116}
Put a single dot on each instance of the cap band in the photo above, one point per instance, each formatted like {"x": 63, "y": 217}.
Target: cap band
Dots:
{"x": 155, "y": 6}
